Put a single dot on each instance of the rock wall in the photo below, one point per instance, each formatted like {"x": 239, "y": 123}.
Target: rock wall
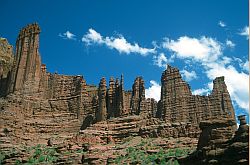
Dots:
{"x": 32, "y": 87}
{"x": 38, "y": 89}
{"x": 101, "y": 114}
{"x": 177, "y": 103}
{"x": 6, "y": 63}
{"x": 26, "y": 72}
{"x": 138, "y": 96}
{"x": 220, "y": 144}
{"x": 117, "y": 102}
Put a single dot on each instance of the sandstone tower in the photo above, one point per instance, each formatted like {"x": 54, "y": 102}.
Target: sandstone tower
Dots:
{"x": 177, "y": 103}
{"x": 45, "y": 91}
{"x": 101, "y": 114}
{"x": 27, "y": 61}
{"x": 138, "y": 96}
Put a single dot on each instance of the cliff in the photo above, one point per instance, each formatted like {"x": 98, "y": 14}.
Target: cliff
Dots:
{"x": 39, "y": 107}
{"x": 6, "y": 63}
{"x": 177, "y": 103}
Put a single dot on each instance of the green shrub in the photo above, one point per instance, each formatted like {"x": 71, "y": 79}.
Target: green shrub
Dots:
{"x": 2, "y": 157}
{"x": 138, "y": 155}
{"x": 42, "y": 154}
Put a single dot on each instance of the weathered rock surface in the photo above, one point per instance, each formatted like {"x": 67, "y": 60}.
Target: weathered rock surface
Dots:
{"x": 138, "y": 96}
{"x": 37, "y": 106}
{"x": 219, "y": 144}
{"x": 6, "y": 63}
{"x": 177, "y": 103}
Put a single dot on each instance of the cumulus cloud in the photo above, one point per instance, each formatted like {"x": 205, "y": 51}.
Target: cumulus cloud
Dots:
{"x": 222, "y": 24}
{"x": 67, "y": 35}
{"x": 207, "y": 52}
{"x": 236, "y": 81}
{"x": 245, "y": 32}
{"x": 230, "y": 44}
{"x": 188, "y": 76}
{"x": 92, "y": 37}
{"x": 161, "y": 60}
{"x": 154, "y": 91}
{"x": 224, "y": 60}
{"x": 119, "y": 43}
{"x": 203, "y": 49}
{"x": 201, "y": 91}
{"x": 245, "y": 66}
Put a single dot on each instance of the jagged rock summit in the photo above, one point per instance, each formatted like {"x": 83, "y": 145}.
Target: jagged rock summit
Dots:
{"x": 35, "y": 102}
{"x": 37, "y": 90}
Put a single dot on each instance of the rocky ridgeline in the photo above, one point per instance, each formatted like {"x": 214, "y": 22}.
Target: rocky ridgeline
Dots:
{"x": 38, "y": 107}
{"x": 177, "y": 103}
{"x": 39, "y": 90}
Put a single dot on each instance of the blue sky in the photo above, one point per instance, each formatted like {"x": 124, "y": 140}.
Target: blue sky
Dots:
{"x": 204, "y": 39}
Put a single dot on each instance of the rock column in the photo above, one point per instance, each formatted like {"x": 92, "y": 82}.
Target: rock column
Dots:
{"x": 138, "y": 96}
{"x": 28, "y": 62}
{"x": 110, "y": 98}
{"x": 101, "y": 114}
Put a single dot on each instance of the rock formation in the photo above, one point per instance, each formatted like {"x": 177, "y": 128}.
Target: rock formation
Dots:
{"x": 35, "y": 89}
{"x": 101, "y": 114}
{"x": 177, "y": 103}
{"x": 138, "y": 96}
{"x": 110, "y": 98}
{"x": 6, "y": 63}
{"x": 219, "y": 144}
{"x": 27, "y": 67}
{"x": 34, "y": 102}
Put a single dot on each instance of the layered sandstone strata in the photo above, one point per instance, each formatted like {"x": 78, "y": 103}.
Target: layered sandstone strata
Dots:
{"x": 177, "y": 103}
{"x": 6, "y": 63}
{"x": 33, "y": 88}
{"x": 220, "y": 144}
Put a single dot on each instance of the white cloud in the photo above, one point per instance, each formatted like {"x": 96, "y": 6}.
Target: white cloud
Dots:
{"x": 201, "y": 91}
{"x": 222, "y": 24}
{"x": 162, "y": 61}
{"x": 67, "y": 35}
{"x": 154, "y": 91}
{"x": 92, "y": 36}
{"x": 245, "y": 66}
{"x": 237, "y": 83}
{"x": 188, "y": 76}
{"x": 119, "y": 43}
{"x": 207, "y": 52}
{"x": 203, "y": 49}
{"x": 245, "y": 32}
{"x": 224, "y": 60}
{"x": 230, "y": 44}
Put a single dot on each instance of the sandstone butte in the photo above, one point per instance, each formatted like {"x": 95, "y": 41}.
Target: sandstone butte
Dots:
{"x": 62, "y": 111}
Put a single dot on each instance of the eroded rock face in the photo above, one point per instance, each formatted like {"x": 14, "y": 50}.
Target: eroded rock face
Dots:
{"x": 101, "y": 114}
{"x": 6, "y": 57}
{"x": 27, "y": 67}
{"x": 38, "y": 105}
{"x": 110, "y": 99}
{"x": 34, "y": 89}
{"x": 177, "y": 103}
{"x": 220, "y": 144}
{"x": 6, "y": 63}
{"x": 138, "y": 96}
{"x": 215, "y": 132}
